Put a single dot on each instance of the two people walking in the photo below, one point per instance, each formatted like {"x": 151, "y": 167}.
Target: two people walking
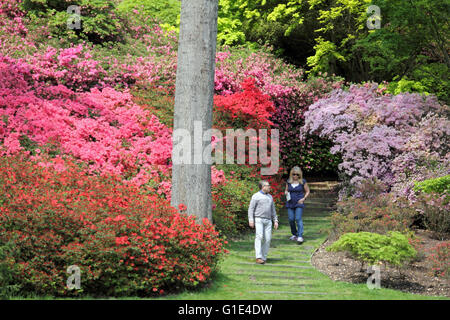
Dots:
{"x": 262, "y": 213}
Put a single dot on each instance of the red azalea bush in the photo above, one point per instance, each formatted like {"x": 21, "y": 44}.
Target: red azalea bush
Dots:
{"x": 249, "y": 108}
{"x": 124, "y": 241}
{"x": 440, "y": 258}
{"x": 246, "y": 112}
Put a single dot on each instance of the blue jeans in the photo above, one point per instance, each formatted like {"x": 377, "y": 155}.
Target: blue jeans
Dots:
{"x": 295, "y": 217}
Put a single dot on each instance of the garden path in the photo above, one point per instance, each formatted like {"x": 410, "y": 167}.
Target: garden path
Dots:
{"x": 288, "y": 272}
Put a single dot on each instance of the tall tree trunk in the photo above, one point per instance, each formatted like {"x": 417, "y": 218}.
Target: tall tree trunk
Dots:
{"x": 194, "y": 90}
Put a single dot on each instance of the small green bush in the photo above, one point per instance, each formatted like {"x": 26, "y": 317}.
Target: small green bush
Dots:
{"x": 167, "y": 12}
{"x": 439, "y": 185}
{"x": 374, "y": 248}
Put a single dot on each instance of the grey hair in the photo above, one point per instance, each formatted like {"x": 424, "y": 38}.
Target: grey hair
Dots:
{"x": 261, "y": 182}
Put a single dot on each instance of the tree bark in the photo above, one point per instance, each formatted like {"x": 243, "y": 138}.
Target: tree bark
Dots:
{"x": 194, "y": 90}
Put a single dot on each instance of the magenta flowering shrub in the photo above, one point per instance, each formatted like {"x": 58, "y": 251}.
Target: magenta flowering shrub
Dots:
{"x": 102, "y": 128}
{"x": 380, "y": 135}
{"x": 154, "y": 60}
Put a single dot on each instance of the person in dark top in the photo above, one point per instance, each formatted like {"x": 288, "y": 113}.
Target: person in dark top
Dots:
{"x": 296, "y": 193}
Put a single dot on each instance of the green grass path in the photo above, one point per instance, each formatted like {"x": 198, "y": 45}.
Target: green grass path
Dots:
{"x": 288, "y": 273}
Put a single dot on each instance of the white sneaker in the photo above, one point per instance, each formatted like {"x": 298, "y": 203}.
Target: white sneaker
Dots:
{"x": 300, "y": 240}
{"x": 293, "y": 238}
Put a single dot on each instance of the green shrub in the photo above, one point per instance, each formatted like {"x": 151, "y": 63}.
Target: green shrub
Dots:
{"x": 439, "y": 185}
{"x": 426, "y": 78}
{"x": 378, "y": 214}
{"x": 167, "y": 12}
{"x": 100, "y": 20}
{"x": 375, "y": 248}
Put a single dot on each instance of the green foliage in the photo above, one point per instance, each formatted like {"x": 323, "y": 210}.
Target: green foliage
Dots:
{"x": 406, "y": 85}
{"x": 229, "y": 31}
{"x": 379, "y": 214}
{"x": 230, "y": 216}
{"x": 411, "y": 47}
{"x": 167, "y": 12}
{"x": 7, "y": 288}
{"x": 374, "y": 248}
{"x": 158, "y": 101}
{"x": 435, "y": 210}
{"x": 433, "y": 77}
{"x": 100, "y": 20}
{"x": 438, "y": 185}
{"x": 325, "y": 56}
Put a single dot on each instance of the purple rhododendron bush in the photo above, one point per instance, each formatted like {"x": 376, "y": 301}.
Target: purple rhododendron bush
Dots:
{"x": 396, "y": 139}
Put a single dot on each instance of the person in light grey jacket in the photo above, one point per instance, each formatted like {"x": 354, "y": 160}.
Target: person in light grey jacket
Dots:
{"x": 261, "y": 213}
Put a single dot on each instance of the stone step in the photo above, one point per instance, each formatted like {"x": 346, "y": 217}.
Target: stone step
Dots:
{"x": 324, "y": 186}
{"x": 275, "y": 249}
{"x": 276, "y": 265}
{"x": 259, "y": 271}
{"x": 277, "y": 259}
{"x": 321, "y": 195}
{"x": 254, "y": 277}
{"x": 325, "y": 182}
{"x": 269, "y": 284}
{"x": 289, "y": 292}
